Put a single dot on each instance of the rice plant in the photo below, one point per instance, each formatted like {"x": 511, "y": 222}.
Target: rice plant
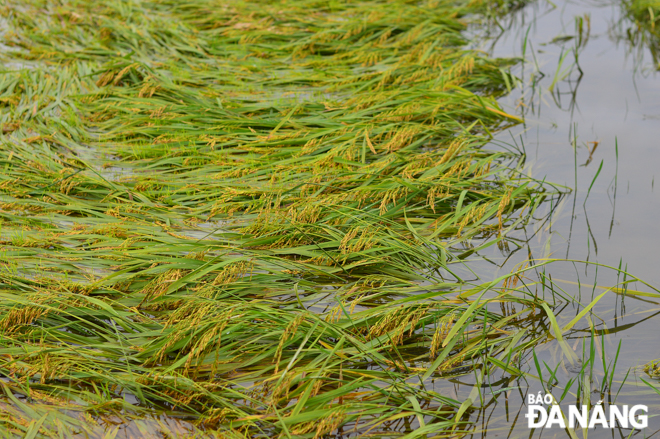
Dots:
{"x": 644, "y": 29}
{"x": 251, "y": 218}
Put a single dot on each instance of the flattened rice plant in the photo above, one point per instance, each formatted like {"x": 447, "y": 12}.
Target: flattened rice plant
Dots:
{"x": 245, "y": 215}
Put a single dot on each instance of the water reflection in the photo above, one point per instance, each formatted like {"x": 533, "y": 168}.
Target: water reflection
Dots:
{"x": 590, "y": 96}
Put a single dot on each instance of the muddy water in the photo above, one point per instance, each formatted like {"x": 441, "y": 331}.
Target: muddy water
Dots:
{"x": 585, "y": 93}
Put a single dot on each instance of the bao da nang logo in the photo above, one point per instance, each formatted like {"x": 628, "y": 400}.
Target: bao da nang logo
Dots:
{"x": 544, "y": 412}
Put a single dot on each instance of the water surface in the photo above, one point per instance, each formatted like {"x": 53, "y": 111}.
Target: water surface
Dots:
{"x": 591, "y": 104}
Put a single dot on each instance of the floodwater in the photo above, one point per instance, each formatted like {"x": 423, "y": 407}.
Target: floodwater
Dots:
{"x": 591, "y": 103}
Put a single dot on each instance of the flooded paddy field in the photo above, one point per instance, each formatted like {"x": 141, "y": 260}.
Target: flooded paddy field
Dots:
{"x": 311, "y": 219}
